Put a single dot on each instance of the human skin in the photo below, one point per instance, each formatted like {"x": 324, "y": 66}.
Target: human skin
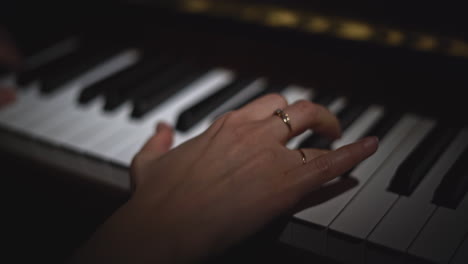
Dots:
{"x": 218, "y": 188}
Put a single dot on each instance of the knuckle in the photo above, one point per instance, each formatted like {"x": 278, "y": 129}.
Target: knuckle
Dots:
{"x": 324, "y": 166}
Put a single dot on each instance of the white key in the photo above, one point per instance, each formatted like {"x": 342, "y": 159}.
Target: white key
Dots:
{"x": 61, "y": 118}
{"x": 324, "y": 213}
{"x": 104, "y": 125}
{"x": 360, "y": 126}
{"x": 24, "y": 100}
{"x": 294, "y": 93}
{"x": 409, "y": 214}
{"x": 48, "y": 105}
{"x": 30, "y": 108}
{"x": 111, "y": 144}
{"x": 296, "y": 141}
{"x": 78, "y": 119}
{"x": 441, "y": 235}
{"x": 372, "y": 202}
{"x": 337, "y": 105}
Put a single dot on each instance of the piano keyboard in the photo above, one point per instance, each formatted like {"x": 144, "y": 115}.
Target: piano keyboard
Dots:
{"x": 409, "y": 201}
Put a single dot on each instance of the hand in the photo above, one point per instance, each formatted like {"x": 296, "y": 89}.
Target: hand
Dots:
{"x": 220, "y": 187}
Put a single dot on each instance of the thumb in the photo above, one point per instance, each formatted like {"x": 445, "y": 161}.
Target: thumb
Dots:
{"x": 156, "y": 146}
{"x": 160, "y": 143}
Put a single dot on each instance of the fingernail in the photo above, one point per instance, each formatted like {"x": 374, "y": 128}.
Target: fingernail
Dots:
{"x": 159, "y": 127}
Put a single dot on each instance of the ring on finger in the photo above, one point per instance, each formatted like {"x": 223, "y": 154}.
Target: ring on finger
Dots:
{"x": 304, "y": 159}
{"x": 285, "y": 117}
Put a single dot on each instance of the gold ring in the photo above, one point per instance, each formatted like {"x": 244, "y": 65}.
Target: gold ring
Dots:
{"x": 304, "y": 159}
{"x": 284, "y": 117}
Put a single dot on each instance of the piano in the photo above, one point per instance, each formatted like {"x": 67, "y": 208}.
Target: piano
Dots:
{"x": 91, "y": 90}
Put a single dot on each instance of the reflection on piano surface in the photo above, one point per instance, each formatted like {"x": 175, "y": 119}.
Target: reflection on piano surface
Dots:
{"x": 102, "y": 98}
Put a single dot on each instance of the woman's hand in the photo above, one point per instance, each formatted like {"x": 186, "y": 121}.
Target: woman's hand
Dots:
{"x": 222, "y": 186}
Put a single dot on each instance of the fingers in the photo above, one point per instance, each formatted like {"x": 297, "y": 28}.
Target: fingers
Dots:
{"x": 331, "y": 165}
{"x": 305, "y": 115}
{"x": 160, "y": 142}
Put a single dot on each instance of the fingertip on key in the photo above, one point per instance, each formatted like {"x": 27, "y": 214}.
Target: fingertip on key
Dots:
{"x": 370, "y": 143}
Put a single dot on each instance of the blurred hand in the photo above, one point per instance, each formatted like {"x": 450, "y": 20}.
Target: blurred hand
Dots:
{"x": 9, "y": 59}
{"x": 7, "y": 95}
{"x": 220, "y": 187}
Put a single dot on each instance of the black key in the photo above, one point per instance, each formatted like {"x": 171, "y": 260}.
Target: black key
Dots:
{"x": 37, "y": 64}
{"x": 271, "y": 88}
{"x": 316, "y": 141}
{"x": 162, "y": 91}
{"x": 188, "y": 118}
{"x": 412, "y": 170}
{"x": 454, "y": 185}
{"x": 158, "y": 78}
{"x": 131, "y": 76}
{"x": 346, "y": 118}
{"x": 27, "y": 76}
{"x": 381, "y": 127}
{"x": 324, "y": 99}
{"x": 65, "y": 70}
{"x": 349, "y": 114}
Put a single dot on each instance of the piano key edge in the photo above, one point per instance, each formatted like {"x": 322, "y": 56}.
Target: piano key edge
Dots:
{"x": 100, "y": 174}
